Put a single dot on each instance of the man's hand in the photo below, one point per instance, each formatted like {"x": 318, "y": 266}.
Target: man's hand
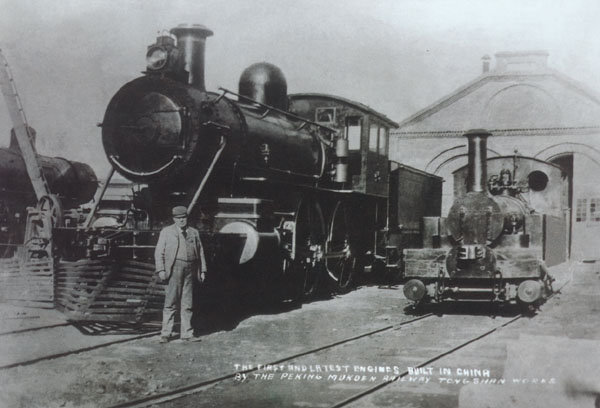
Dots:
{"x": 202, "y": 276}
{"x": 162, "y": 275}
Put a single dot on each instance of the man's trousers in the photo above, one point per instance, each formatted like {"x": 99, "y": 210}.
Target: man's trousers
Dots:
{"x": 179, "y": 296}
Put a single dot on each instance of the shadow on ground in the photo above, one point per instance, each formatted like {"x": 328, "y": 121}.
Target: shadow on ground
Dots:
{"x": 114, "y": 328}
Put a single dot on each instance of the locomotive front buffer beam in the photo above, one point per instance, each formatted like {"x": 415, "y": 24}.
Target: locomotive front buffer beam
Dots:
{"x": 509, "y": 283}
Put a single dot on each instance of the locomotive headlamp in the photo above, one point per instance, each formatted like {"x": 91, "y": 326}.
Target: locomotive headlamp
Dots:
{"x": 156, "y": 58}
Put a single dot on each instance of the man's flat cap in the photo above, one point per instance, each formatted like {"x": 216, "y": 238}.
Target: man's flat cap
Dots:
{"x": 179, "y": 212}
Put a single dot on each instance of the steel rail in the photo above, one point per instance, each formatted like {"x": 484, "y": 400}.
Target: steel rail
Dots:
{"x": 76, "y": 351}
{"x": 29, "y": 329}
{"x": 379, "y": 386}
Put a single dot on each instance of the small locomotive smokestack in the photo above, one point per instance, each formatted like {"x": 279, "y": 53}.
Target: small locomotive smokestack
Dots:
{"x": 191, "y": 40}
{"x": 477, "y": 175}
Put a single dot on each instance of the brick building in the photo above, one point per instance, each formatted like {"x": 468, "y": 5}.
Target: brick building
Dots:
{"x": 530, "y": 109}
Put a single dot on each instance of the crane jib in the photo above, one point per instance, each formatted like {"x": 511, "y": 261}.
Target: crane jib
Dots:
{"x": 21, "y": 129}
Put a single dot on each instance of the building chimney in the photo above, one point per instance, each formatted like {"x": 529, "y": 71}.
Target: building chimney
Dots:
{"x": 191, "y": 39}
{"x": 485, "y": 63}
{"x": 477, "y": 166}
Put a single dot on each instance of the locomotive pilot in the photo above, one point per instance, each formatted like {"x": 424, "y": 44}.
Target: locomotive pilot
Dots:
{"x": 179, "y": 256}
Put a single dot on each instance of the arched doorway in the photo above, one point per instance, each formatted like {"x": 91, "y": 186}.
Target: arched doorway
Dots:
{"x": 581, "y": 162}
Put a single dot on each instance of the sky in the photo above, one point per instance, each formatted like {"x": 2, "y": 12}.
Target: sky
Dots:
{"x": 68, "y": 58}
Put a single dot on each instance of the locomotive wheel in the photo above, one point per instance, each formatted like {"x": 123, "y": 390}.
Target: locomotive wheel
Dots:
{"x": 340, "y": 257}
{"x": 50, "y": 204}
{"x": 309, "y": 237}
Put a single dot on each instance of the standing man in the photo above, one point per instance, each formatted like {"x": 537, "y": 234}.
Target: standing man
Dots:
{"x": 179, "y": 256}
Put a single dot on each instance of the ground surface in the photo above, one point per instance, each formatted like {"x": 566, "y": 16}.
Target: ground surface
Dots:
{"x": 136, "y": 366}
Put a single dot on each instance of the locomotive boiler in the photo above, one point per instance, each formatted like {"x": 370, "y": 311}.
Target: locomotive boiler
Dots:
{"x": 500, "y": 234}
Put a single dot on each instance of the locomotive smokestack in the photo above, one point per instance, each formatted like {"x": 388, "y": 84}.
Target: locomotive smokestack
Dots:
{"x": 477, "y": 176}
{"x": 191, "y": 40}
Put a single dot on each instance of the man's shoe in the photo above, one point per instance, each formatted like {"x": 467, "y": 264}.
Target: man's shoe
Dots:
{"x": 163, "y": 339}
{"x": 188, "y": 339}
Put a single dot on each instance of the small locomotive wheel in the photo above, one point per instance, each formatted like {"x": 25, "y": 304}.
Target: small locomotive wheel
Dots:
{"x": 529, "y": 291}
{"x": 414, "y": 290}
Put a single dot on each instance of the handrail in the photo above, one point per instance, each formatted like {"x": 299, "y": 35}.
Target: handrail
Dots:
{"x": 288, "y": 114}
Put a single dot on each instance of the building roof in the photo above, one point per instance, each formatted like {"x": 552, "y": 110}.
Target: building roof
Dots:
{"x": 521, "y": 93}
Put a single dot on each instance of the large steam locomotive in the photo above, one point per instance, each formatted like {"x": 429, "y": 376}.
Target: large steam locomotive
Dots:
{"x": 288, "y": 191}
{"x": 500, "y": 235}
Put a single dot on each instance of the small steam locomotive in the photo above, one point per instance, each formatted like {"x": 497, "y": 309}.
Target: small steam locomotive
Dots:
{"x": 500, "y": 235}
{"x": 288, "y": 191}
{"x": 74, "y": 182}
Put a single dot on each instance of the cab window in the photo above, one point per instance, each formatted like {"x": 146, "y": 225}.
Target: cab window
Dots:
{"x": 373, "y": 134}
{"x": 383, "y": 139}
{"x": 353, "y": 132}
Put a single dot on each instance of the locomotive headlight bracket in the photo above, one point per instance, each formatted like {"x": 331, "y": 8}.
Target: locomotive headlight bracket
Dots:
{"x": 157, "y": 58}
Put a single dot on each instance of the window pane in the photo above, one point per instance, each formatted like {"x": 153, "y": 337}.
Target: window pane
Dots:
{"x": 383, "y": 136}
{"x": 353, "y": 133}
{"x": 594, "y": 210}
{"x": 325, "y": 115}
{"x": 373, "y": 138}
{"x": 581, "y": 210}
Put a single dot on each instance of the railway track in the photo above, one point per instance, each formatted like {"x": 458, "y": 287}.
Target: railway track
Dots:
{"x": 185, "y": 396}
{"x": 217, "y": 385}
{"x": 370, "y": 391}
{"x": 65, "y": 353}
{"x": 425, "y": 363}
{"x": 30, "y": 329}
{"x": 199, "y": 386}
{"x": 182, "y": 396}
{"x": 16, "y": 342}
